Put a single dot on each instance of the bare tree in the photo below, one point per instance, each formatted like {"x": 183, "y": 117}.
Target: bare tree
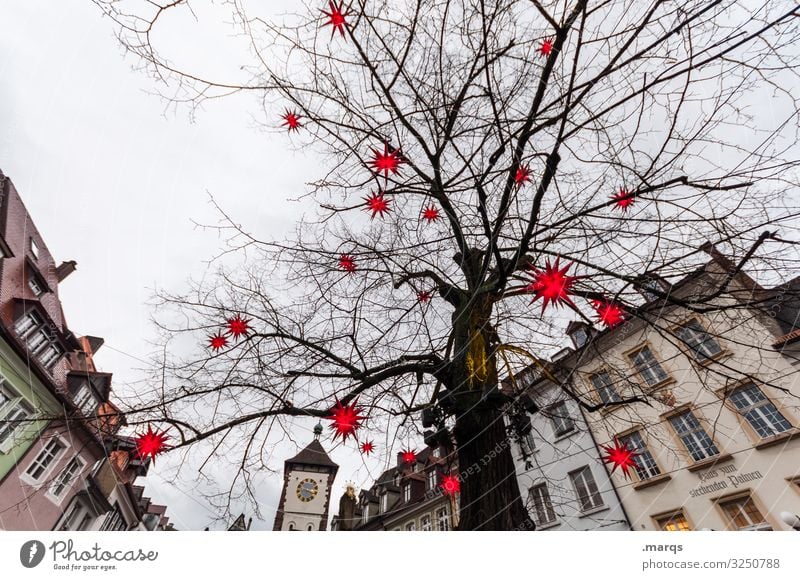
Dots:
{"x": 504, "y": 151}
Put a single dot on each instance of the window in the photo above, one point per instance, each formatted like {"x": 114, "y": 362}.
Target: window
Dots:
{"x": 702, "y": 344}
{"x": 39, "y": 338}
{"x": 694, "y": 437}
{"x": 586, "y": 488}
{"x": 605, "y": 388}
{"x": 66, "y": 477}
{"x": 425, "y": 523}
{"x": 114, "y": 521}
{"x": 674, "y": 523}
{"x": 78, "y": 517}
{"x": 14, "y": 412}
{"x": 407, "y": 492}
{"x": 562, "y": 422}
{"x": 442, "y": 520}
{"x": 365, "y": 513}
{"x": 528, "y": 444}
{"x": 35, "y": 286}
{"x": 580, "y": 337}
{"x": 648, "y": 367}
{"x": 85, "y": 401}
{"x": 759, "y": 411}
{"x": 411, "y": 527}
{"x": 646, "y": 467}
{"x": 437, "y": 453}
{"x": 291, "y": 527}
{"x": 385, "y": 503}
{"x": 432, "y": 479}
{"x": 743, "y": 514}
{"x": 34, "y": 249}
{"x": 542, "y": 506}
{"x": 46, "y": 458}
{"x": 310, "y": 527}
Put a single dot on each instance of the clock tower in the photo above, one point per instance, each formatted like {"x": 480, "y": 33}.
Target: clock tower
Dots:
{"x": 307, "y": 483}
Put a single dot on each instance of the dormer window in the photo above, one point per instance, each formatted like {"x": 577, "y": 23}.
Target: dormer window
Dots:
{"x": 432, "y": 479}
{"x": 39, "y": 338}
{"x": 34, "y": 249}
{"x": 85, "y": 401}
{"x": 365, "y": 513}
{"x": 35, "y": 285}
{"x": 385, "y": 503}
{"x": 407, "y": 492}
{"x": 580, "y": 337}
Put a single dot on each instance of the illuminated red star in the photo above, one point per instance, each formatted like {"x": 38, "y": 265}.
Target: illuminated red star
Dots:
{"x": 552, "y": 284}
{"x": 291, "y": 120}
{"x": 377, "y": 203}
{"x": 620, "y": 456}
{"x": 386, "y": 161}
{"x": 624, "y": 199}
{"x": 424, "y": 296}
{"x": 523, "y": 175}
{"x": 451, "y": 485}
{"x": 367, "y": 447}
{"x": 217, "y": 341}
{"x": 347, "y": 263}
{"x": 408, "y": 456}
{"x": 431, "y": 213}
{"x": 610, "y": 314}
{"x": 151, "y": 443}
{"x": 546, "y": 47}
{"x": 238, "y": 326}
{"x": 337, "y": 17}
{"x": 346, "y": 419}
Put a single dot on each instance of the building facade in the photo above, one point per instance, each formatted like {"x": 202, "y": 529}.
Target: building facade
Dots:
{"x": 715, "y": 426}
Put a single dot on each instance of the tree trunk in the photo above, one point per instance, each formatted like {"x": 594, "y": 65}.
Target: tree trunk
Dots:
{"x": 490, "y": 498}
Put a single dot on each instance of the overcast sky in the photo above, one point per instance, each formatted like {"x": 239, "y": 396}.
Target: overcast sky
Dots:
{"x": 115, "y": 183}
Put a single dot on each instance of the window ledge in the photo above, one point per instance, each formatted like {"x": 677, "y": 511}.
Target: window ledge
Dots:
{"x": 548, "y": 526}
{"x": 592, "y": 511}
{"x": 720, "y": 356}
{"x": 566, "y": 435}
{"x": 710, "y": 462}
{"x": 658, "y": 479}
{"x": 660, "y": 384}
{"x": 779, "y": 438}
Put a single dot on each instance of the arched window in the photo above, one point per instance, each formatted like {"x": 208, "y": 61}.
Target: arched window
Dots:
{"x": 310, "y": 527}
{"x": 291, "y": 526}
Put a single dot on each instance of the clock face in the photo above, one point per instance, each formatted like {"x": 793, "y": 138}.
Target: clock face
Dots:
{"x": 307, "y": 490}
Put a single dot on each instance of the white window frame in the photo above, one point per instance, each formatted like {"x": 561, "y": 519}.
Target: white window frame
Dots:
{"x": 411, "y": 526}
{"x": 80, "y": 506}
{"x": 584, "y": 478}
{"x": 39, "y": 338}
{"x": 385, "y": 503}
{"x": 14, "y": 408}
{"x": 604, "y": 387}
{"x": 114, "y": 521}
{"x": 528, "y": 444}
{"x": 437, "y": 452}
{"x": 542, "y": 505}
{"x": 34, "y": 248}
{"x": 695, "y": 439}
{"x": 84, "y": 395}
{"x": 648, "y": 367}
{"x": 365, "y": 513}
{"x": 754, "y": 410}
{"x": 702, "y": 345}
{"x": 34, "y": 284}
{"x": 644, "y": 463}
{"x": 407, "y": 492}
{"x": 54, "y": 460}
{"x": 425, "y": 523}
{"x": 77, "y": 464}
{"x": 442, "y": 520}
{"x": 563, "y": 424}
{"x": 433, "y": 479}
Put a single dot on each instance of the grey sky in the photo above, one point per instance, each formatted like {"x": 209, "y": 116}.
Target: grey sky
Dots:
{"x": 114, "y": 182}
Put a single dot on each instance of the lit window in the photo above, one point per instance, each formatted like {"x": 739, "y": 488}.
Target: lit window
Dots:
{"x": 85, "y": 401}
{"x": 425, "y": 523}
{"x": 407, "y": 493}
{"x": 432, "y": 479}
{"x": 442, "y": 520}
{"x": 34, "y": 249}
{"x": 411, "y": 527}
{"x": 743, "y": 514}
{"x": 66, "y": 477}
{"x": 702, "y": 344}
{"x": 562, "y": 422}
{"x": 586, "y": 489}
{"x": 674, "y": 523}
{"x": 542, "y": 506}
{"x": 646, "y": 467}
{"x": 605, "y": 388}
{"x": 649, "y": 368}
{"x": 14, "y": 414}
{"x": 694, "y": 437}
{"x": 759, "y": 411}
{"x": 46, "y": 458}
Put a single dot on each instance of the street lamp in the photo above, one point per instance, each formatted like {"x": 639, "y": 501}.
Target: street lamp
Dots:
{"x": 791, "y": 520}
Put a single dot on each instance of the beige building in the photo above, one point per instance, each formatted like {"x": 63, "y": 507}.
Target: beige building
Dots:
{"x": 717, "y": 429}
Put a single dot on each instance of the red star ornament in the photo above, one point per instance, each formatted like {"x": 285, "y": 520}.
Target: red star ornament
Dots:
{"x": 450, "y": 485}
{"x": 609, "y": 313}
{"x": 337, "y": 17}
{"x": 238, "y": 326}
{"x": 347, "y": 263}
{"x": 431, "y": 214}
{"x": 377, "y": 203}
{"x": 345, "y": 419}
{"x": 151, "y": 443}
{"x": 291, "y": 120}
{"x": 522, "y": 176}
{"x": 620, "y": 456}
{"x": 386, "y": 161}
{"x": 217, "y": 341}
{"x": 367, "y": 447}
{"x": 424, "y": 296}
{"x": 546, "y": 47}
{"x": 552, "y": 284}
{"x": 408, "y": 456}
{"x": 624, "y": 199}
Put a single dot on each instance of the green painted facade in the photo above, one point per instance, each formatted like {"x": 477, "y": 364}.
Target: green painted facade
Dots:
{"x": 19, "y": 379}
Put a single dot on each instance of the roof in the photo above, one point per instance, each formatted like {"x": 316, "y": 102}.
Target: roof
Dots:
{"x": 313, "y": 454}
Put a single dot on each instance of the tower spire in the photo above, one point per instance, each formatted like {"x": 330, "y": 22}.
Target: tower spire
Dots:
{"x": 317, "y": 431}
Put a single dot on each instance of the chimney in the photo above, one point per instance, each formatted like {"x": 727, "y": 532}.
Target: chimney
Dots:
{"x": 65, "y": 269}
